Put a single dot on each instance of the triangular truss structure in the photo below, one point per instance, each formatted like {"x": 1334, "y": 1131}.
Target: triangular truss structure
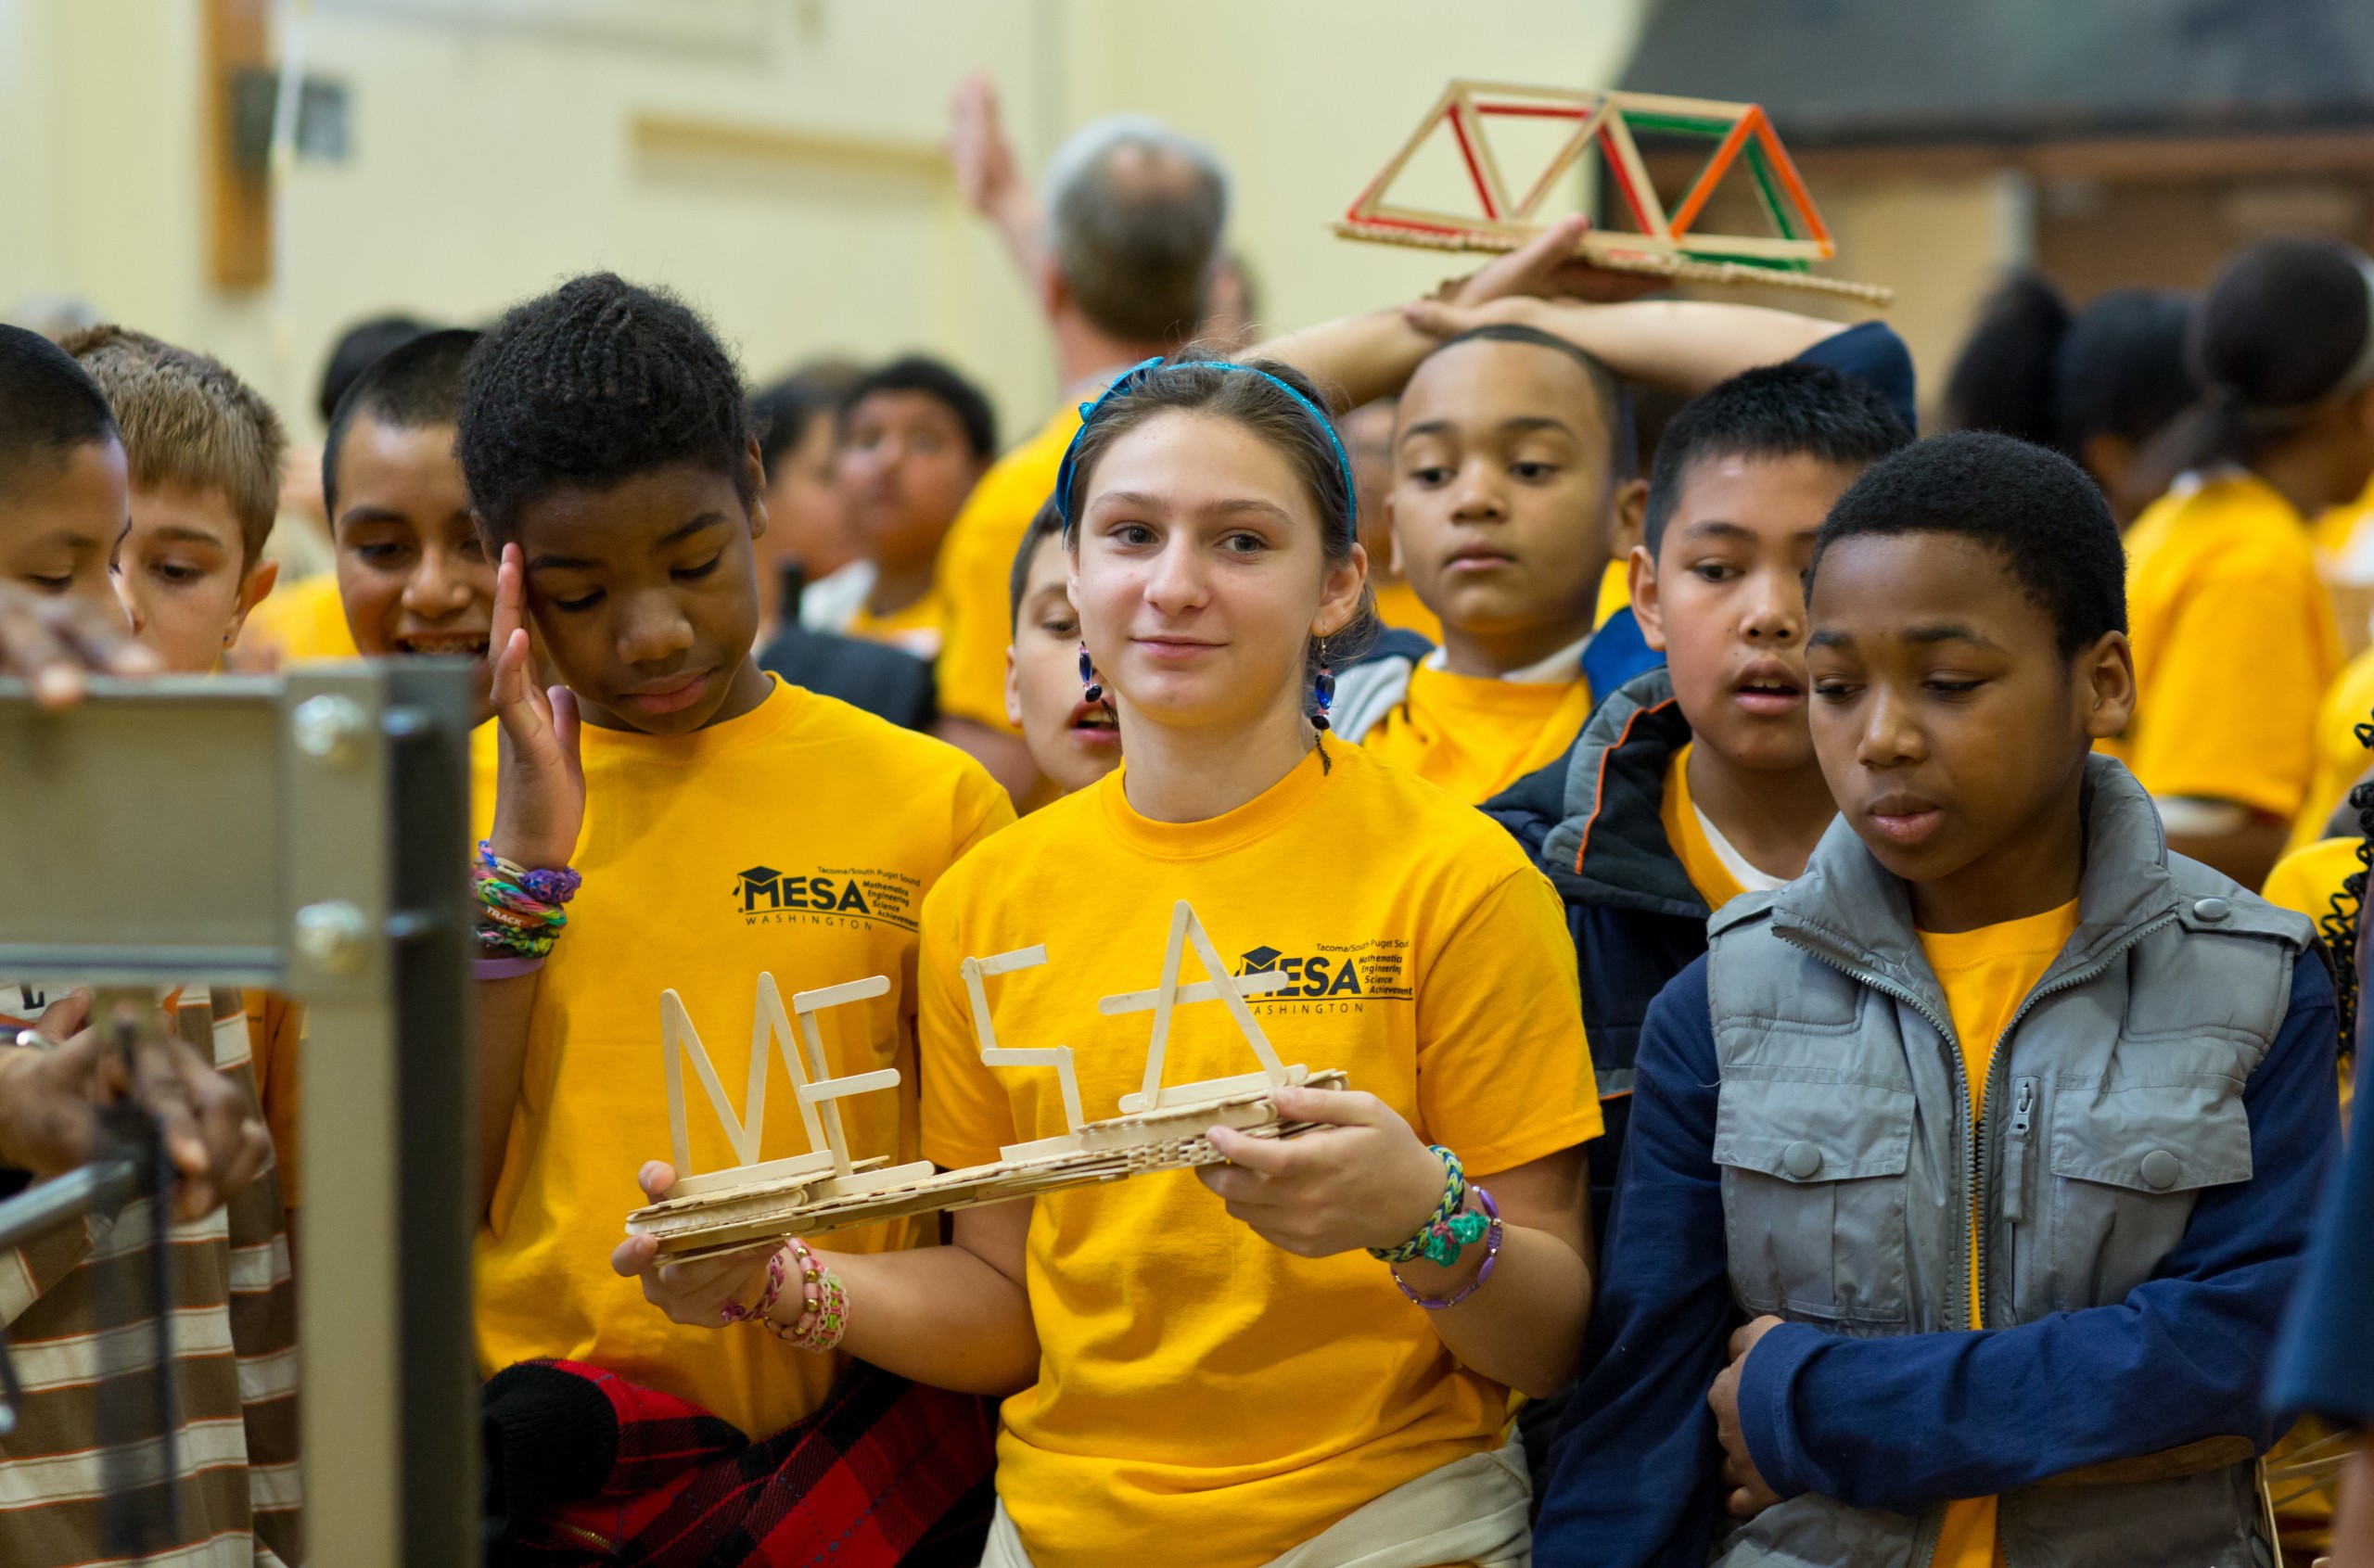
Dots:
{"x": 1505, "y": 216}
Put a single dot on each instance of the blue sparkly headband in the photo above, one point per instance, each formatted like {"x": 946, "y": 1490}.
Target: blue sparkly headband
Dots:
{"x": 1088, "y": 412}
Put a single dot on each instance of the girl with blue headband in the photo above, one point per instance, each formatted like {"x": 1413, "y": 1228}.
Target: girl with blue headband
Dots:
{"x": 1305, "y": 1356}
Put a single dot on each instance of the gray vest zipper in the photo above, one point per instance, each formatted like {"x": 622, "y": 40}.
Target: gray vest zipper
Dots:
{"x": 1976, "y": 1189}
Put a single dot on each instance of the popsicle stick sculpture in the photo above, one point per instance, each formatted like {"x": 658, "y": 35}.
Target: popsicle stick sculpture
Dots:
{"x": 1668, "y": 244}
{"x": 1160, "y": 1128}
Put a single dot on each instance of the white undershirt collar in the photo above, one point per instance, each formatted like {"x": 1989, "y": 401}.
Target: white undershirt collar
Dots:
{"x": 1564, "y": 664}
{"x": 1743, "y": 872}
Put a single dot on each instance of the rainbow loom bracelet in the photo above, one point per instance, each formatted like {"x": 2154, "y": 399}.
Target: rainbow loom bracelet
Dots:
{"x": 519, "y": 911}
{"x": 1439, "y": 1238}
{"x": 1491, "y": 1256}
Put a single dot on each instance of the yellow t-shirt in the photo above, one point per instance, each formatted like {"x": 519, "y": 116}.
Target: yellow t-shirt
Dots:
{"x": 973, "y": 584}
{"x": 798, "y": 841}
{"x": 1615, "y": 590}
{"x": 1987, "y": 975}
{"x": 1476, "y": 735}
{"x": 2234, "y": 645}
{"x": 1398, "y": 607}
{"x": 304, "y": 620}
{"x": 919, "y": 628}
{"x": 1200, "y": 1391}
{"x": 1691, "y": 846}
{"x": 2305, "y": 880}
{"x": 2339, "y": 759}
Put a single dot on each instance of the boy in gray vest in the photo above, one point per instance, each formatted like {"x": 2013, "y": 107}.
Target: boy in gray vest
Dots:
{"x": 1968, "y": 1173}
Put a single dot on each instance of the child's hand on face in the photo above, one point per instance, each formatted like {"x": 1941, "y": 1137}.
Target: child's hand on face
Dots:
{"x": 1749, "y": 1494}
{"x": 539, "y": 790}
{"x": 692, "y": 1294}
{"x": 1362, "y": 1181}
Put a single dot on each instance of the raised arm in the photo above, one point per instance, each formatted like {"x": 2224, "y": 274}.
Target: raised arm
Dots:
{"x": 1370, "y": 356}
{"x": 1688, "y": 344}
{"x": 539, "y": 805}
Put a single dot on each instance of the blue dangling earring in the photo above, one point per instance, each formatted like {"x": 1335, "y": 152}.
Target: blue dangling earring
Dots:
{"x": 1095, "y": 692}
{"x": 1322, "y": 690}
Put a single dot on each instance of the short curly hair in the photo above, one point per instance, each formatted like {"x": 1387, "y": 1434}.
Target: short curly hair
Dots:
{"x": 591, "y": 385}
{"x": 2036, "y": 510}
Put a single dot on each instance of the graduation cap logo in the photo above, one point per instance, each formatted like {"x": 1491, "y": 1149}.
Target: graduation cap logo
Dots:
{"x": 759, "y": 881}
{"x": 1260, "y": 960}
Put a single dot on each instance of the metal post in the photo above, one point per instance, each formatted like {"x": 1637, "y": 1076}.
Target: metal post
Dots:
{"x": 308, "y": 834}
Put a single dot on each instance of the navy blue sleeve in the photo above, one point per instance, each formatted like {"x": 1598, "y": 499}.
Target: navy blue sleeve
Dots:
{"x": 2181, "y": 1359}
{"x": 2325, "y": 1361}
{"x": 1872, "y": 350}
{"x": 1634, "y": 1469}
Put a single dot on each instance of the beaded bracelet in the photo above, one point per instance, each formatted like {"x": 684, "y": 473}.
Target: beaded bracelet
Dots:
{"x": 826, "y": 1315}
{"x": 519, "y": 911}
{"x": 1447, "y": 1228}
{"x": 1491, "y": 1256}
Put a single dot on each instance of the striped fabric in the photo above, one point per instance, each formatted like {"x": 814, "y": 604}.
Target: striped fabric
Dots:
{"x": 77, "y": 1305}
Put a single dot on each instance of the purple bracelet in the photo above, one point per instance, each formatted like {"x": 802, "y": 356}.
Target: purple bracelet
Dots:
{"x": 1491, "y": 1256}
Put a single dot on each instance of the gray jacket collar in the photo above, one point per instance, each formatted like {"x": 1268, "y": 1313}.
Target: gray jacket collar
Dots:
{"x": 1850, "y": 909}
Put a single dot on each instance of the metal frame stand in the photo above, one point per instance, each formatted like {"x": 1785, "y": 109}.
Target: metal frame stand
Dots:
{"x": 306, "y": 834}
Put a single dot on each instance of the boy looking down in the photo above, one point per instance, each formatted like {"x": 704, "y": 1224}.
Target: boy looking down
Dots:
{"x": 1999, "y": 1102}
{"x": 205, "y": 454}
{"x": 726, "y": 826}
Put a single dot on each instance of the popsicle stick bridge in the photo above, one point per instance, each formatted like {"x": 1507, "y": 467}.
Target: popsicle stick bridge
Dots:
{"x": 1669, "y": 243}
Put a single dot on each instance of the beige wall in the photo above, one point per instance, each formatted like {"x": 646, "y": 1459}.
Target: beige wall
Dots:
{"x": 781, "y": 176}
{"x": 1942, "y": 242}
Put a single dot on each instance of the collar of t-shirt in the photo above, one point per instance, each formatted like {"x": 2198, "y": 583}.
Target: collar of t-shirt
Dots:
{"x": 1564, "y": 664}
{"x": 1743, "y": 870}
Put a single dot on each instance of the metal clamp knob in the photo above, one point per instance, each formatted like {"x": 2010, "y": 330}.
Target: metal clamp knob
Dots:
{"x": 333, "y": 935}
{"x": 330, "y": 728}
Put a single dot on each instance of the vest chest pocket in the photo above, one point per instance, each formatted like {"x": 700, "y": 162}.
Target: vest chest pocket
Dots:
{"x": 1814, "y": 1195}
{"x": 2128, "y": 1159}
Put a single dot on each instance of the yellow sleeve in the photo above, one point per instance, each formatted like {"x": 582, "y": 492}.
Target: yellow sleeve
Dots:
{"x": 982, "y": 808}
{"x": 1504, "y": 1076}
{"x": 2231, "y": 714}
{"x": 2339, "y": 759}
{"x": 966, "y": 1116}
{"x": 976, "y": 573}
{"x": 2306, "y": 880}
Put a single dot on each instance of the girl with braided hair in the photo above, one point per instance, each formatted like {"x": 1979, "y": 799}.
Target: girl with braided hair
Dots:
{"x": 1303, "y": 1357}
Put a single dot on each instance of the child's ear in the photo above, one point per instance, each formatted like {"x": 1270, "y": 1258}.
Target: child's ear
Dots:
{"x": 1627, "y": 515}
{"x": 1013, "y": 690}
{"x": 2106, "y": 673}
{"x": 1053, "y": 293}
{"x": 1647, "y": 608}
{"x": 754, "y": 471}
{"x": 257, "y": 583}
{"x": 1393, "y": 562}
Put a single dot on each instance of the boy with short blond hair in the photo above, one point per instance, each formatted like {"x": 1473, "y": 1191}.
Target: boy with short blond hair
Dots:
{"x": 205, "y": 453}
